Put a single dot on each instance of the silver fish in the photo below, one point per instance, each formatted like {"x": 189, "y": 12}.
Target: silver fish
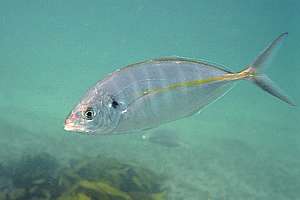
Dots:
{"x": 164, "y": 137}
{"x": 147, "y": 94}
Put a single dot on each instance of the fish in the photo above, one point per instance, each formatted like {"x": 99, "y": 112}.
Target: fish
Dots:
{"x": 163, "y": 137}
{"x": 146, "y": 94}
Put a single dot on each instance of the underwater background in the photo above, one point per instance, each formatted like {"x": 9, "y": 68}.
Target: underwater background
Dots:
{"x": 244, "y": 146}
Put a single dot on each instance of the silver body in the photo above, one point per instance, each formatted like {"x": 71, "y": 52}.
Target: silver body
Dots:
{"x": 147, "y": 111}
{"x": 146, "y": 94}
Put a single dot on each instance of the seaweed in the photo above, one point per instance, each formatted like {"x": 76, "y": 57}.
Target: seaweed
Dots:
{"x": 110, "y": 177}
{"x": 34, "y": 177}
{"x": 41, "y": 176}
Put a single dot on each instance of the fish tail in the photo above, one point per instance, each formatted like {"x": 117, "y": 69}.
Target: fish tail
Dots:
{"x": 254, "y": 72}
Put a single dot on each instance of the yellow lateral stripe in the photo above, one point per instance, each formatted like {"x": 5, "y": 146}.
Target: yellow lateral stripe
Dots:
{"x": 226, "y": 77}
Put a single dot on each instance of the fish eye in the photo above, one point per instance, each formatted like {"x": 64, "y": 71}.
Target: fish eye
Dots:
{"x": 89, "y": 113}
{"x": 114, "y": 104}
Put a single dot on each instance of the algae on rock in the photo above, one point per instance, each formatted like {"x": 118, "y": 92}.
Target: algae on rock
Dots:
{"x": 95, "y": 191}
{"x": 42, "y": 177}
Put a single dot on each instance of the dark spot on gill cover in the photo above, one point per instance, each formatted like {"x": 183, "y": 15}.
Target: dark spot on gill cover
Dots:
{"x": 114, "y": 104}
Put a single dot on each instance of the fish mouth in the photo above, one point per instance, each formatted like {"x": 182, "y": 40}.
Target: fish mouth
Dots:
{"x": 69, "y": 127}
{"x": 72, "y": 127}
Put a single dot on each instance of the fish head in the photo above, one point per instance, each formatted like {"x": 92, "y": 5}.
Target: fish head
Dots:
{"x": 96, "y": 113}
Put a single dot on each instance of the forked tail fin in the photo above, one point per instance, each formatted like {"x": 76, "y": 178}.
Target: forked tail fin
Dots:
{"x": 254, "y": 72}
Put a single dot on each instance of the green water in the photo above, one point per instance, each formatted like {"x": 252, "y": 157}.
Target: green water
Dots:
{"x": 244, "y": 146}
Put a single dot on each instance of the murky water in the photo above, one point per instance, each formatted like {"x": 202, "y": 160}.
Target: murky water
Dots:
{"x": 244, "y": 146}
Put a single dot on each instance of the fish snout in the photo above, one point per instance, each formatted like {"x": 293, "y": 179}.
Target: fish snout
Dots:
{"x": 73, "y": 125}
{"x": 68, "y": 121}
{"x": 69, "y": 124}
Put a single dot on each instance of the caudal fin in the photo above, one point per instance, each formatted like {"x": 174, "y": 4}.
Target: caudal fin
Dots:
{"x": 255, "y": 74}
